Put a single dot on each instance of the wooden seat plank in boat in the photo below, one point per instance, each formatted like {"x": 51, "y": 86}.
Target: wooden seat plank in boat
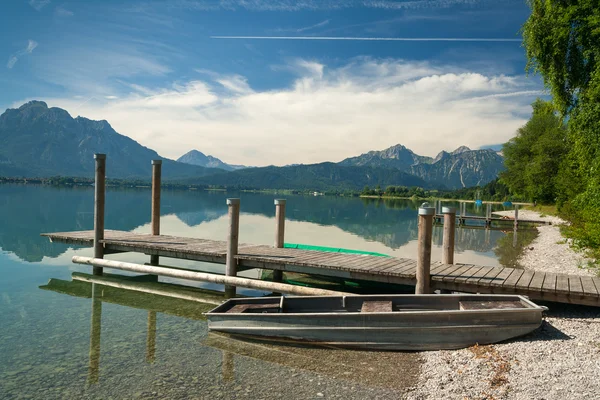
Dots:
{"x": 242, "y": 308}
{"x": 376, "y": 306}
{"x": 487, "y": 305}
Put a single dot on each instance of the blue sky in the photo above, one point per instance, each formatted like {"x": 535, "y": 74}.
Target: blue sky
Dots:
{"x": 439, "y": 74}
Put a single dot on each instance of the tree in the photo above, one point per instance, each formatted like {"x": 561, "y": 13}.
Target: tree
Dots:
{"x": 562, "y": 41}
{"x": 533, "y": 157}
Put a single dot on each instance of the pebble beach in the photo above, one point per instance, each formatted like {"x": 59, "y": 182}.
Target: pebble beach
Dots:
{"x": 560, "y": 360}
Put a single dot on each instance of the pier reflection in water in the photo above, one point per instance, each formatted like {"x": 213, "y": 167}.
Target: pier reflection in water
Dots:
{"x": 384, "y": 225}
{"x": 369, "y": 369}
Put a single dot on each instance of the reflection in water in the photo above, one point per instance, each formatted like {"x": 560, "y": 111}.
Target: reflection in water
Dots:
{"x": 95, "y": 330}
{"x": 227, "y": 366}
{"x": 370, "y": 367}
{"x": 151, "y": 338}
{"x": 359, "y": 367}
{"x": 511, "y": 246}
{"x": 139, "y": 295}
{"x": 391, "y": 222}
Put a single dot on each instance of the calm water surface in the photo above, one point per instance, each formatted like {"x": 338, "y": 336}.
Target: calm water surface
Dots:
{"x": 64, "y": 338}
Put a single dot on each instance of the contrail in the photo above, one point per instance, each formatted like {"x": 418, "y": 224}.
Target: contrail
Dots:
{"x": 382, "y": 39}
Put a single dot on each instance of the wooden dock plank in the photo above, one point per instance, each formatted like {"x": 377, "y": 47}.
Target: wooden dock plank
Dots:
{"x": 502, "y": 276}
{"x": 549, "y": 283}
{"x": 447, "y": 272}
{"x": 468, "y": 274}
{"x": 537, "y": 282}
{"x": 475, "y": 278}
{"x": 456, "y": 273}
{"x": 513, "y": 278}
{"x": 575, "y": 286}
{"x": 587, "y": 283}
{"x": 404, "y": 270}
{"x": 439, "y": 271}
{"x": 562, "y": 283}
{"x": 525, "y": 279}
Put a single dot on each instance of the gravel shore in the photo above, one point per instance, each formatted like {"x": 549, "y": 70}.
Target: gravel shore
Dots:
{"x": 560, "y": 360}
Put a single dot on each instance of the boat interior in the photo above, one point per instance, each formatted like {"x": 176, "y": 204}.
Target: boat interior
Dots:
{"x": 371, "y": 304}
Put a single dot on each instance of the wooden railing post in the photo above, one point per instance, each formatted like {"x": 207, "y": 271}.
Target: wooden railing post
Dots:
{"x": 488, "y": 214}
{"x": 516, "y": 216}
{"x": 232, "y": 242}
{"x": 426, "y": 214}
{"x": 99, "y": 201}
{"x": 156, "y": 180}
{"x": 279, "y": 233}
{"x": 449, "y": 232}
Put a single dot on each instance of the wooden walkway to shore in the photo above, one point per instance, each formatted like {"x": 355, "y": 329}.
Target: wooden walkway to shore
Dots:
{"x": 458, "y": 277}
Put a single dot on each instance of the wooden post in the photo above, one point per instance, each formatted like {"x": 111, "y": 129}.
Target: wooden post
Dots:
{"x": 449, "y": 232}
{"x": 156, "y": 178}
{"x": 232, "y": 243}
{"x": 516, "y": 216}
{"x": 426, "y": 214}
{"x": 151, "y": 338}
{"x": 95, "y": 330}
{"x": 99, "y": 200}
{"x": 488, "y": 214}
{"x": 279, "y": 233}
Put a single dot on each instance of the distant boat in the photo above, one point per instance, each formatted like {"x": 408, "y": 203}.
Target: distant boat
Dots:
{"x": 381, "y": 322}
{"x": 478, "y": 202}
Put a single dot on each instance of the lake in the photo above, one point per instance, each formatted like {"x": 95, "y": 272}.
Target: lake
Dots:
{"x": 62, "y": 338}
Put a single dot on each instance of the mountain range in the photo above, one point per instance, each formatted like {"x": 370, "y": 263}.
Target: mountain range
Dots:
{"x": 461, "y": 168}
{"x": 195, "y": 157}
{"x": 38, "y": 141}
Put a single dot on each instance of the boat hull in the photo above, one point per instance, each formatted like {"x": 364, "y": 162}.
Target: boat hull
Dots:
{"x": 431, "y": 329}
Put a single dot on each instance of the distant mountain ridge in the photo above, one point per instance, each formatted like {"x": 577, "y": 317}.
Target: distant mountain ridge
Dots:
{"x": 195, "y": 157}
{"x": 36, "y": 140}
{"x": 319, "y": 177}
{"x": 462, "y": 167}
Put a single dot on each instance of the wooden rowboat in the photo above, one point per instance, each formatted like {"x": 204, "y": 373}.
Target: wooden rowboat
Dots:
{"x": 383, "y": 322}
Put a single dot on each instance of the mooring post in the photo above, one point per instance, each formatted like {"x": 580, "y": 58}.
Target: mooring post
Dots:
{"x": 156, "y": 179}
{"x": 449, "y": 232}
{"x": 99, "y": 200}
{"x": 95, "y": 330}
{"x": 516, "y": 216}
{"x": 151, "y": 338}
{"x": 232, "y": 242}
{"x": 426, "y": 214}
{"x": 279, "y": 233}
{"x": 488, "y": 214}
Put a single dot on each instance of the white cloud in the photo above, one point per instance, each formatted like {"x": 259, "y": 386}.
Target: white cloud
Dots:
{"x": 63, "y": 12}
{"x": 325, "y": 114}
{"x": 39, "y": 4}
{"x": 92, "y": 68}
{"x": 12, "y": 60}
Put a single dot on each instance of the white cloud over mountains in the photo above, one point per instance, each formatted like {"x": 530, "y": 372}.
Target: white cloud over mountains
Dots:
{"x": 325, "y": 114}
{"x": 12, "y": 60}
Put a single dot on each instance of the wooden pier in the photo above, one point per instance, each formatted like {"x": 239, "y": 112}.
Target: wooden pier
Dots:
{"x": 462, "y": 219}
{"x": 456, "y": 277}
{"x": 422, "y": 273}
